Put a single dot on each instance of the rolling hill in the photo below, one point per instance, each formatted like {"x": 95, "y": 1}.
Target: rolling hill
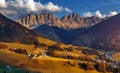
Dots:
{"x": 105, "y": 35}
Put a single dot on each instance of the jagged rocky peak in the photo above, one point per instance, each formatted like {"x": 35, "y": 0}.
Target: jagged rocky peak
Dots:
{"x": 72, "y": 21}
{"x": 46, "y": 16}
{"x": 69, "y": 21}
{"x": 28, "y": 20}
{"x": 71, "y": 17}
{"x": 33, "y": 19}
{"x": 43, "y": 18}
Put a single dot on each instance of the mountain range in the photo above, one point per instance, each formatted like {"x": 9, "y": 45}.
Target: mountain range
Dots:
{"x": 104, "y": 35}
{"x": 63, "y": 29}
{"x": 70, "y": 21}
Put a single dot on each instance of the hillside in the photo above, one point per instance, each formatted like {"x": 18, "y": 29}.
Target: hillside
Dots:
{"x": 104, "y": 36}
{"x": 11, "y": 31}
{"x": 50, "y": 57}
{"x": 58, "y": 34}
{"x": 44, "y": 65}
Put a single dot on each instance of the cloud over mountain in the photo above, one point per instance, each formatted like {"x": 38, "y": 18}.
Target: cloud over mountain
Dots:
{"x": 23, "y": 7}
{"x": 99, "y": 14}
{"x": 112, "y": 13}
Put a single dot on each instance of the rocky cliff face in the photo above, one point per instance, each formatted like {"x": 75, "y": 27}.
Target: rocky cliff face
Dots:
{"x": 44, "y": 18}
{"x": 71, "y": 21}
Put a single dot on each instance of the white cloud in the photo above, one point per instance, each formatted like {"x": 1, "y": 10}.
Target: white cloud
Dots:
{"x": 20, "y": 3}
{"x": 17, "y": 8}
{"x": 2, "y": 3}
{"x": 68, "y": 10}
{"x": 87, "y": 14}
{"x": 99, "y": 14}
{"x": 30, "y": 4}
{"x": 50, "y": 7}
{"x": 112, "y": 13}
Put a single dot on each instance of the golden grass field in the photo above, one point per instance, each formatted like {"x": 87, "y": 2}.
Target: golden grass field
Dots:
{"x": 46, "y": 41}
{"x": 45, "y": 64}
{"x": 117, "y": 56}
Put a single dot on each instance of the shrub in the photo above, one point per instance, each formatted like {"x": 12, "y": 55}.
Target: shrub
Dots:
{"x": 55, "y": 47}
{"x": 71, "y": 63}
{"x": 20, "y": 51}
{"x": 40, "y": 45}
{"x": 3, "y": 46}
{"x": 90, "y": 52}
{"x": 82, "y": 65}
{"x": 69, "y": 49}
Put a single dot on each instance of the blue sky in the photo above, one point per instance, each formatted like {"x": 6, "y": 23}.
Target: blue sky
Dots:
{"x": 101, "y": 8}
{"x": 82, "y": 6}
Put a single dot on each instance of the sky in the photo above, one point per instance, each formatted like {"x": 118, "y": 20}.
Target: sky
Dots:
{"x": 87, "y": 8}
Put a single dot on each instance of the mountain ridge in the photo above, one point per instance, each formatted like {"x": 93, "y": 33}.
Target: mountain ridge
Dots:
{"x": 105, "y": 35}
{"x": 11, "y": 31}
{"x": 70, "y": 21}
